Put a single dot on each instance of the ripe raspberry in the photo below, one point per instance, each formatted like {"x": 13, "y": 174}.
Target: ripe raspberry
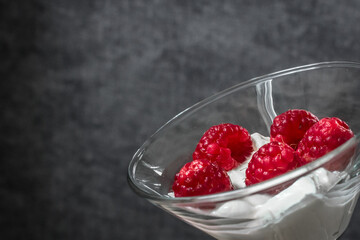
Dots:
{"x": 322, "y": 137}
{"x": 200, "y": 177}
{"x": 227, "y": 144}
{"x": 290, "y": 126}
{"x": 269, "y": 161}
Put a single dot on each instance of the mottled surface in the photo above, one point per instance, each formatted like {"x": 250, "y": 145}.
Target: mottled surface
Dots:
{"x": 84, "y": 83}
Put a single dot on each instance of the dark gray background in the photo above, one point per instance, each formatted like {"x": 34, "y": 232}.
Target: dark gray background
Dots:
{"x": 84, "y": 83}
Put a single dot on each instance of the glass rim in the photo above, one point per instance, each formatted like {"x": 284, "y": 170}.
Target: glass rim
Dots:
{"x": 256, "y": 188}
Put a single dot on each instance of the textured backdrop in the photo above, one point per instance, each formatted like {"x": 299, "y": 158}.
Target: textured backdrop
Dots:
{"x": 84, "y": 83}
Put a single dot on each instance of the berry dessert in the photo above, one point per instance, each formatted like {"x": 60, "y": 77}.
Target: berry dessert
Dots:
{"x": 227, "y": 157}
{"x": 200, "y": 177}
{"x": 290, "y": 126}
{"x": 226, "y": 144}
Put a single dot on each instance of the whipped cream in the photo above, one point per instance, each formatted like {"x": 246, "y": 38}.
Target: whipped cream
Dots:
{"x": 301, "y": 211}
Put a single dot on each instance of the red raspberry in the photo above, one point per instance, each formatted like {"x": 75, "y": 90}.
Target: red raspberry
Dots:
{"x": 271, "y": 160}
{"x": 227, "y": 144}
{"x": 201, "y": 177}
{"x": 322, "y": 137}
{"x": 290, "y": 126}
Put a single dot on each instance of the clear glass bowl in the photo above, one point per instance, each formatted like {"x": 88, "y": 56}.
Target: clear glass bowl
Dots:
{"x": 314, "y": 203}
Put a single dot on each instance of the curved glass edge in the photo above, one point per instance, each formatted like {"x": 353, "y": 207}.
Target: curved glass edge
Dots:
{"x": 230, "y": 195}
